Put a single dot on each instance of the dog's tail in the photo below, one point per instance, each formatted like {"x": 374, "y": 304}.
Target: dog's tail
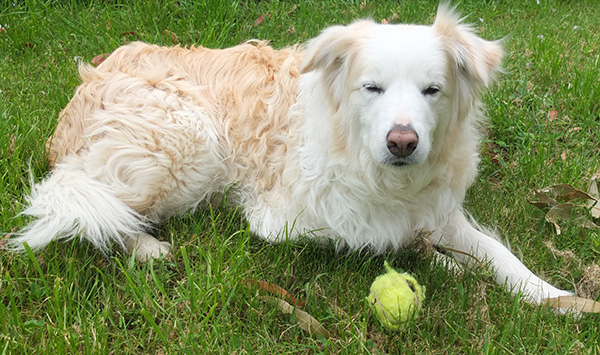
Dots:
{"x": 69, "y": 203}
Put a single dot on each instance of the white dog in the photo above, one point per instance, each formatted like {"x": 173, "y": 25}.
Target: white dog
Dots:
{"x": 367, "y": 135}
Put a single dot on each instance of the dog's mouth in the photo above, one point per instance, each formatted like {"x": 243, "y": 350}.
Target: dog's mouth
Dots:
{"x": 396, "y": 162}
{"x": 399, "y": 163}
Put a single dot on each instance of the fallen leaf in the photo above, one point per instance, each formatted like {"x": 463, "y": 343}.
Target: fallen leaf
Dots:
{"x": 97, "y": 60}
{"x": 276, "y": 291}
{"x": 260, "y": 19}
{"x": 128, "y": 33}
{"x": 552, "y": 115}
{"x": 304, "y": 320}
{"x": 567, "y": 212}
{"x": 574, "y": 303}
{"x": 384, "y": 21}
{"x": 173, "y": 36}
{"x": 560, "y": 211}
{"x": 539, "y": 204}
{"x": 566, "y": 192}
{"x": 593, "y": 202}
{"x": 544, "y": 199}
{"x": 549, "y": 197}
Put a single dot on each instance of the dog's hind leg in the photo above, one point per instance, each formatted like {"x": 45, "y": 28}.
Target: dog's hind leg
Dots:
{"x": 146, "y": 246}
{"x": 468, "y": 242}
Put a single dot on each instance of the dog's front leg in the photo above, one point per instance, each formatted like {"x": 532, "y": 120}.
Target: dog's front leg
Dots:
{"x": 467, "y": 241}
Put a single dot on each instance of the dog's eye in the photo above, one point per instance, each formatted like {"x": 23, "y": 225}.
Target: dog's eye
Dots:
{"x": 373, "y": 88}
{"x": 431, "y": 90}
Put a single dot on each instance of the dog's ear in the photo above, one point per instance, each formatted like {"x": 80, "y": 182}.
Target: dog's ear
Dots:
{"x": 473, "y": 56}
{"x": 333, "y": 47}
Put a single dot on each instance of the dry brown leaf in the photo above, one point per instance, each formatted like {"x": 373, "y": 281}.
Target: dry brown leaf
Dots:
{"x": 304, "y": 320}
{"x": 544, "y": 199}
{"x": 276, "y": 291}
{"x": 261, "y": 18}
{"x": 97, "y": 60}
{"x": 172, "y": 36}
{"x": 574, "y": 303}
{"x": 594, "y": 203}
{"x": 549, "y": 197}
{"x": 539, "y": 204}
{"x": 565, "y": 192}
{"x": 562, "y": 210}
{"x": 566, "y": 211}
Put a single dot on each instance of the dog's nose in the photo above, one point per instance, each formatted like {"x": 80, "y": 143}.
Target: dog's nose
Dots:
{"x": 402, "y": 141}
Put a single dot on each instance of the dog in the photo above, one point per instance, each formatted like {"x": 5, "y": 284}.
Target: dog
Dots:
{"x": 366, "y": 135}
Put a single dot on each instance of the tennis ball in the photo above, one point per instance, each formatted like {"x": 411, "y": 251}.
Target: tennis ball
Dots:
{"x": 395, "y": 298}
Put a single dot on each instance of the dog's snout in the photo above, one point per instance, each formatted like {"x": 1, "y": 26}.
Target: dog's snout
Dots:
{"x": 402, "y": 141}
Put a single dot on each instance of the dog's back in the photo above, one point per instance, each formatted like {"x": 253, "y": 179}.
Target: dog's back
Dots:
{"x": 251, "y": 86}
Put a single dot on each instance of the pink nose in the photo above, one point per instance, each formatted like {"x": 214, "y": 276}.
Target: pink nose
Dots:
{"x": 402, "y": 141}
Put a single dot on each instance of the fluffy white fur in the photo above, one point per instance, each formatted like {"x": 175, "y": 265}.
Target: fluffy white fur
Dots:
{"x": 300, "y": 134}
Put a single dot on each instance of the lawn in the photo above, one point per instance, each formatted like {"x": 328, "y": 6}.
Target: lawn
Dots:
{"x": 544, "y": 118}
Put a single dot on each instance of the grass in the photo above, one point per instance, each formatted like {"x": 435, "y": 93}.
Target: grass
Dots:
{"x": 544, "y": 129}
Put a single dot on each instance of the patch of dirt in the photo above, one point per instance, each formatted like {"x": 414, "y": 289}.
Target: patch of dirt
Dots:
{"x": 589, "y": 285}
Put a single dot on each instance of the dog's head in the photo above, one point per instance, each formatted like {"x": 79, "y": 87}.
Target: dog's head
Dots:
{"x": 394, "y": 87}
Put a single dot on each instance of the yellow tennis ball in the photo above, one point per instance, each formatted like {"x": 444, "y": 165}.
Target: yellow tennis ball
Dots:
{"x": 395, "y": 298}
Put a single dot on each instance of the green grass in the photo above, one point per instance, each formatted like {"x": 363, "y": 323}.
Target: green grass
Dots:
{"x": 69, "y": 298}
